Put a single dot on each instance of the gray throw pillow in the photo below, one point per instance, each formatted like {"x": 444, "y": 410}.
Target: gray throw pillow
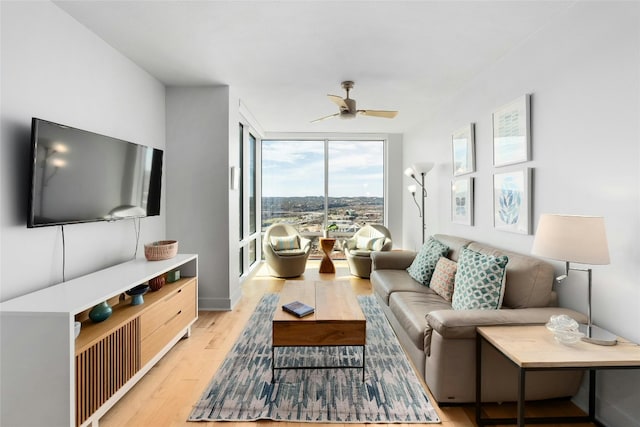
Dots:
{"x": 421, "y": 269}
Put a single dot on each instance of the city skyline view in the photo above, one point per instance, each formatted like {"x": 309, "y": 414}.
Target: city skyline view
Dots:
{"x": 293, "y": 186}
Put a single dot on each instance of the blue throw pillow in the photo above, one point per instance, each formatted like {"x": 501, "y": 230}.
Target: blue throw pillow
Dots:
{"x": 421, "y": 269}
{"x": 479, "y": 281}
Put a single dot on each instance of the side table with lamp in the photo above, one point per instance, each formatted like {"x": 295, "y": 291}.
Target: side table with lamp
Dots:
{"x": 577, "y": 239}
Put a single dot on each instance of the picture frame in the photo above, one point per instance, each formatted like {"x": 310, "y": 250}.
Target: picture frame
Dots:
{"x": 512, "y": 132}
{"x": 463, "y": 150}
{"x": 462, "y": 201}
{"x": 512, "y": 201}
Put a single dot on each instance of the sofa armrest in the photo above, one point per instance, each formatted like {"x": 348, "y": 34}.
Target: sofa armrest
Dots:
{"x": 461, "y": 324}
{"x": 392, "y": 260}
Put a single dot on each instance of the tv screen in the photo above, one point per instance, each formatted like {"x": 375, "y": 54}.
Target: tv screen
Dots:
{"x": 80, "y": 176}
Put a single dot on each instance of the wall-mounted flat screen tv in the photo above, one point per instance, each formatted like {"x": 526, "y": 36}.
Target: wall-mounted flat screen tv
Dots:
{"x": 80, "y": 176}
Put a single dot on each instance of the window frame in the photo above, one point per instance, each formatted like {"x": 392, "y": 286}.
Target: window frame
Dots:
{"x": 326, "y": 140}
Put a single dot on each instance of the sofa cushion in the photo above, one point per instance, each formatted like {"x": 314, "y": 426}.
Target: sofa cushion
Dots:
{"x": 529, "y": 280}
{"x": 411, "y": 309}
{"x": 455, "y": 244}
{"x": 386, "y": 282}
{"x": 443, "y": 278}
{"x": 479, "y": 281}
{"x": 424, "y": 263}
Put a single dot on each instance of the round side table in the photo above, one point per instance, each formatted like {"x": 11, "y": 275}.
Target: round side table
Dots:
{"x": 326, "y": 265}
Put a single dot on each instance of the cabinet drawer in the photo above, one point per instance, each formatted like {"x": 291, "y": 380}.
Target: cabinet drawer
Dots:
{"x": 165, "y": 332}
{"x": 164, "y": 310}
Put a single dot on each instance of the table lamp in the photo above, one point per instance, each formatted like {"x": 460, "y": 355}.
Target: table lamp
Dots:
{"x": 578, "y": 239}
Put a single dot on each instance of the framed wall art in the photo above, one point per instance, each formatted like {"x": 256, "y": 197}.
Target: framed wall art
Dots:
{"x": 512, "y": 201}
{"x": 463, "y": 150}
{"x": 512, "y": 132}
{"x": 462, "y": 201}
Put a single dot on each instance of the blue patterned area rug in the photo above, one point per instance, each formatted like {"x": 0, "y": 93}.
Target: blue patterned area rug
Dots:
{"x": 242, "y": 390}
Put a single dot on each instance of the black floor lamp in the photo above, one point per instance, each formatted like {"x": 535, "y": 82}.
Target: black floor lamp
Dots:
{"x": 415, "y": 170}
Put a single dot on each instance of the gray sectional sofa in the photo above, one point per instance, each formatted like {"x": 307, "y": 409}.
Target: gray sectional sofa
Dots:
{"x": 440, "y": 341}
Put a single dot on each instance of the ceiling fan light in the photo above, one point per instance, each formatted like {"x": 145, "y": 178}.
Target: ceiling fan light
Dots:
{"x": 348, "y": 109}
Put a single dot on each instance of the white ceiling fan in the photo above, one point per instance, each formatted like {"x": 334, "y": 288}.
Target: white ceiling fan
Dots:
{"x": 348, "y": 108}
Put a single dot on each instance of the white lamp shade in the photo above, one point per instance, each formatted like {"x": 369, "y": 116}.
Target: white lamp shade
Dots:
{"x": 409, "y": 172}
{"x": 572, "y": 238}
{"x": 412, "y": 189}
{"x": 423, "y": 167}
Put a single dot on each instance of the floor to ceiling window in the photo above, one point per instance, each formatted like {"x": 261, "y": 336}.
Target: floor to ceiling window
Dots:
{"x": 252, "y": 199}
{"x": 247, "y": 203}
{"x": 241, "y": 198}
{"x": 313, "y": 183}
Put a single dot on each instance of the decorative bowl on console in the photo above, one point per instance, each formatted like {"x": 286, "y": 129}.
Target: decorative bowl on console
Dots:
{"x": 136, "y": 294}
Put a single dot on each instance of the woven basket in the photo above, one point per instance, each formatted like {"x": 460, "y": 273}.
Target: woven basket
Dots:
{"x": 163, "y": 249}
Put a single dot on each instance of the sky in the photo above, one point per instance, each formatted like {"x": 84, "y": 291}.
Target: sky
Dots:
{"x": 296, "y": 168}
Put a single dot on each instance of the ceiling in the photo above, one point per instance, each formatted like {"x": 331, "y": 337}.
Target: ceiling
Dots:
{"x": 283, "y": 57}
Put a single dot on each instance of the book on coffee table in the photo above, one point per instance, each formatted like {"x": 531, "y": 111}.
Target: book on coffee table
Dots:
{"x": 298, "y": 308}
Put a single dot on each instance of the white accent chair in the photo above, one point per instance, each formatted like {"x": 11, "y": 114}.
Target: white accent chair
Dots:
{"x": 285, "y": 251}
{"x": 358, "y": 249}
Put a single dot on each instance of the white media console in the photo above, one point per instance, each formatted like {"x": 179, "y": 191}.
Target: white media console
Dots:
{"x": 49, "y": 378}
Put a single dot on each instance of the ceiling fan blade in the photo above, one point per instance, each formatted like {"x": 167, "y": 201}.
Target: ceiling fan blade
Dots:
{"x": 379, "y": 113}
{"x": 338, "y": 101}
{"x": 325, "y": 118}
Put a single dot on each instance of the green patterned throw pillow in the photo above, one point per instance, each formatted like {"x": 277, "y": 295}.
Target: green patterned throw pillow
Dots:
{"x": 479, "y": 281}
{"x": 421, "y": 269}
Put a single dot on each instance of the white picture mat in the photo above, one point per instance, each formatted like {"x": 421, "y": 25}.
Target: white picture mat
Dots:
{"x": 512, "y": 201}
{"x": 512, "y": 132}
{"x": 462, "y": 201}
{"x": 463, "y": 150}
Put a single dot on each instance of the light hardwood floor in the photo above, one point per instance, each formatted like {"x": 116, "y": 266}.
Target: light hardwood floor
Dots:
{"x": 164, "y": 397}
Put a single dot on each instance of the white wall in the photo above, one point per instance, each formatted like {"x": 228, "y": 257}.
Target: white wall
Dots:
{"x": 54, "y": 68}
{"x": 202, "y": 125}
{"x": 395, "y": 187}
{"x": 583, "y": 72}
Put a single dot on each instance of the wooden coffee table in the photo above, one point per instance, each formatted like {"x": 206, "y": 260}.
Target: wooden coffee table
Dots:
{"x": 337, "y": 321}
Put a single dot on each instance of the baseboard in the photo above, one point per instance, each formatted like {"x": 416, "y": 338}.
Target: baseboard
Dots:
{"x": 617, "y": 383}
{"x": 214, "y": 304}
